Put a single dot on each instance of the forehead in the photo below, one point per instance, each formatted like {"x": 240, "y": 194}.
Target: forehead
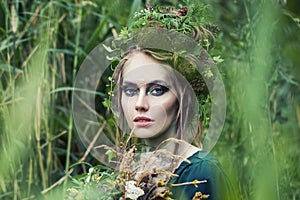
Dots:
{"x": 141, "y": 68}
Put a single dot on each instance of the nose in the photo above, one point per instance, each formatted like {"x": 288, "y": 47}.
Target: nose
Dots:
{"x": 142, "y": 104}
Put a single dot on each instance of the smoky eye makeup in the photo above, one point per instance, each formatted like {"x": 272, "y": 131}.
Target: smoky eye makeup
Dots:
{"x": 157, "y": 90}
{"x": 152, "y": 89}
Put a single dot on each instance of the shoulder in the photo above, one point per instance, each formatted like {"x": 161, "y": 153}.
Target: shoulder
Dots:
{"x": 202, "y": 168}
{"x": 200, "y": 165}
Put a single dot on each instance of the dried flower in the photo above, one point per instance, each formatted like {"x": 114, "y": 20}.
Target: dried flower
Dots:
{"x": 133, "y": 192}
{"x": 200, "y": 196}
{"x": 160, "y": 183}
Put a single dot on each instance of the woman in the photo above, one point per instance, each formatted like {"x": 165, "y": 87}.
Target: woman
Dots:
{"x": 157, "y": 103}
{"x": 159, "y": 82}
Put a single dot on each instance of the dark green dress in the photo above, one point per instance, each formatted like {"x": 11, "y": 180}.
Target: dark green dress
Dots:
{"x": 202, "y": 168}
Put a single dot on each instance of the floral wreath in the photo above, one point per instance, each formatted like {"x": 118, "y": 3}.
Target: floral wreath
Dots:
{"x": 184, "y": 20}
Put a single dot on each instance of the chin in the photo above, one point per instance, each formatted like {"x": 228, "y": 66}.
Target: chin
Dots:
{"x": 143, "y": 136}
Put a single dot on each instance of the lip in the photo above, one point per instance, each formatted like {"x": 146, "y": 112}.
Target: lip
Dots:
{"x": 142, "y": 121}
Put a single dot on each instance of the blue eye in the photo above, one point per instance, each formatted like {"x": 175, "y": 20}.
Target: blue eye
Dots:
{"x": 152, "y": 89}
{"x": 130, "y": 92}
{"x": 157, "y": 90}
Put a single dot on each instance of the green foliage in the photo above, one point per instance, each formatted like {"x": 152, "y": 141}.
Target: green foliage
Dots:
{"x": 41, "y": 49}
{"x": 190, "y": 20}
{"x": 262, "y": 91}
{"x": 98, "y": 183}
{"x": 42, "y": 45}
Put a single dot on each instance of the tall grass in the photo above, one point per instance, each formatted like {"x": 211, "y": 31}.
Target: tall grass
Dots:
{"x": 40, "y": 52}
{"x": 25, "y": 106}
{"x": 43, "y": 44}
{"x": 256, "y": 121}
{"x": 262, "y": 93}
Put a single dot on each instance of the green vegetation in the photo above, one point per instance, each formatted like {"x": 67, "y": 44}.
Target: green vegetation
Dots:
{"x": 42, "y": 45}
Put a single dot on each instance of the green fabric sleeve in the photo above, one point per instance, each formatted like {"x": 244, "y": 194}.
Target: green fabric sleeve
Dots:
{"x": 206, "y": 168}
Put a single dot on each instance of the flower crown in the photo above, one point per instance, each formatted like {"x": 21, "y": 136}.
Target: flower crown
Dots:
{"x": 160, "y": 24}
{"x": 187, "y": 20}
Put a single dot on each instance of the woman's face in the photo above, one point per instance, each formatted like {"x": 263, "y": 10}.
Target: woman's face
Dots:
{"x": 147, "y": 99}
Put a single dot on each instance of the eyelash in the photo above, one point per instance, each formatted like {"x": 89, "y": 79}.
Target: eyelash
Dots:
{"x": 130, "y": 91}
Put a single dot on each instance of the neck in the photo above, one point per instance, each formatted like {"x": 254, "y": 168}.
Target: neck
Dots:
{"x": 155, "y": 142}
{"x": 176, "y": 147}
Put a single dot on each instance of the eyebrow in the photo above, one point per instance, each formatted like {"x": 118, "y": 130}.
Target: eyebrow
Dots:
{"x": 159, "y": 82}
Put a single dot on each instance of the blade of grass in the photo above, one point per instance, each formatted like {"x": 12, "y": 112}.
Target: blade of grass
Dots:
{"x": 135, "y": 6}
{"x": 70, "y": 127}
{"x": 256, "y": 103}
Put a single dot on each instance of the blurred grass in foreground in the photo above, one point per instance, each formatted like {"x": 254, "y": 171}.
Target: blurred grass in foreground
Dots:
{"x": 262, "y": 130}
{"x": 255, "y": 105}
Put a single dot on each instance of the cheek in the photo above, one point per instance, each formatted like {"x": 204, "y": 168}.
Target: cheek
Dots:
{"x": 128, "y": 106}
{"x": 166, "y": 108}
{"x": 171, "y": 106}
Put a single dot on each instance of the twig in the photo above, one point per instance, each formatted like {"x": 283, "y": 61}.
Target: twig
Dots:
{"x": 61, "y": 180}
{"x": 130, "y": 136}
{"x": 92, "y": 143}
{"x": 188, "y": 183}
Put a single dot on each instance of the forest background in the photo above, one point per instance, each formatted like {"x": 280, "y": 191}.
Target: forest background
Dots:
{"x": 42, "y": 44}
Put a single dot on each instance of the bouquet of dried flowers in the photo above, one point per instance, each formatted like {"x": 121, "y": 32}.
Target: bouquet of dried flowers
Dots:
{"x": 138, "y": 177}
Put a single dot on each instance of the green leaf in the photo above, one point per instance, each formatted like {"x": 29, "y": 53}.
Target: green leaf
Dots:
{"x": 64, "y": 51}
{"x": 135, "y": 7}
{"x": 78, "y": 90}
{"x": 9, "y": 68}
{"x": 218, "y": 59}
{"x": 106, "y": 103}
{"x": 110, "y": 155}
